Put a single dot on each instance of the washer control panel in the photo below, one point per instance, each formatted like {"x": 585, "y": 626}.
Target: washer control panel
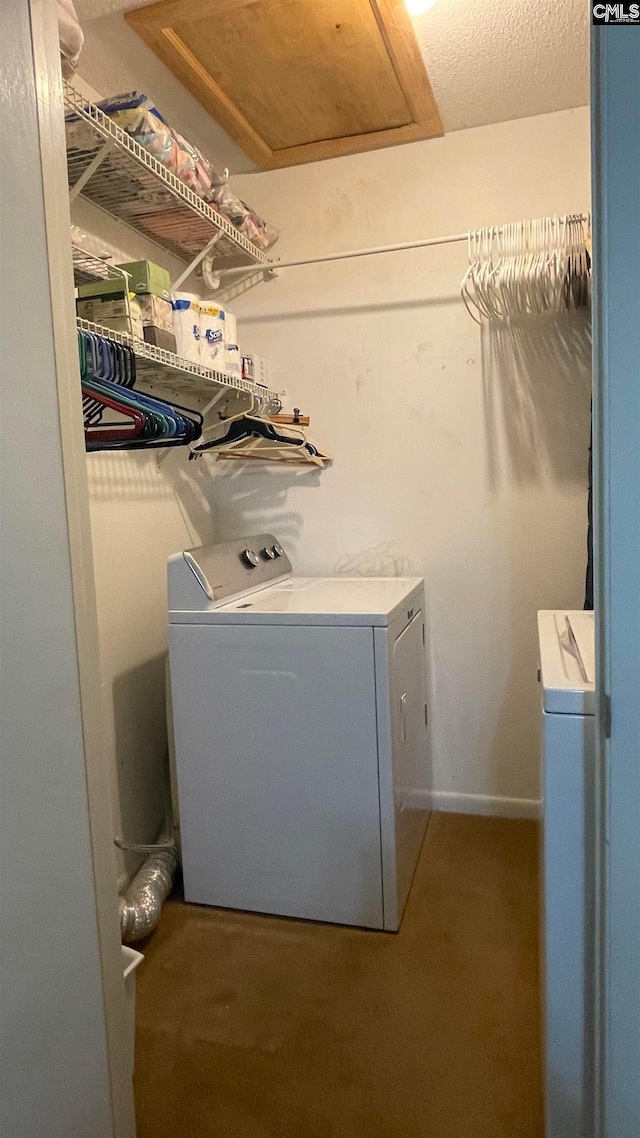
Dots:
{"x": 227, "y": 570}
{"x": 267, "y": 553}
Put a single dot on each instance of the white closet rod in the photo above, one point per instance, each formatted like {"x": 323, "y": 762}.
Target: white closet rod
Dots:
{"x": 348, "y": 254}
{"x": 356, "y": 253}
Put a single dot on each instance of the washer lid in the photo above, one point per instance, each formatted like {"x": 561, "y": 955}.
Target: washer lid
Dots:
{"x": 567, "y": 662}
{"x": 316, "y": 600}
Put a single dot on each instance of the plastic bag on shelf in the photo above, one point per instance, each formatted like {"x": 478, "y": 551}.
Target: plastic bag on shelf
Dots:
{"x": 70, "y": 35}
{"x": 93, "y": 245}
{"x": 139, "y": 117}
{"x": 240, "y": 214}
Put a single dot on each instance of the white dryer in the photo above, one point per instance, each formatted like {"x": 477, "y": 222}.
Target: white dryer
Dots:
{"x": 299, "y": 708}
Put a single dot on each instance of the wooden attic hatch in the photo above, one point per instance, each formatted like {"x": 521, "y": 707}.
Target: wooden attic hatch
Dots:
{"x": 296, "y": 81}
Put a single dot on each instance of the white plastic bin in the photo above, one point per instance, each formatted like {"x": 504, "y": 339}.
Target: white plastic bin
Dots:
{"x": 130, "y": 961}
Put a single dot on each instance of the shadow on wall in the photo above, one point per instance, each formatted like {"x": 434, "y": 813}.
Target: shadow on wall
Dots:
{"x": 159, "y": 475}
{"x": 383, "y": 307}
{"x": 139, "y": 710}
{"x": 385, "y": 560}
{"x": 190, "y": 482}
{"x": 537, "y": 393}
{"x": 245, "y": 500}
{"x": 118, "y": 476}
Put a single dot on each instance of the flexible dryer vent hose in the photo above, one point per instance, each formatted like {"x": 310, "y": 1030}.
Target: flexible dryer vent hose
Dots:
{"x": 141, "y": 905}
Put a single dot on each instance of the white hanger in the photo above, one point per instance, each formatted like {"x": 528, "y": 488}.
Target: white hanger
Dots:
{"x": 528, "y": 267}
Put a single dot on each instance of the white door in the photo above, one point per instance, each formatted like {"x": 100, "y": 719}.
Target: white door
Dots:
{"x": 408, "y": 685}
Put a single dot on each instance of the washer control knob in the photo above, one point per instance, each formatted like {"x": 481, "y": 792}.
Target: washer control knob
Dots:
{"x": 278, "y": 551}
{"x": 250, "y": 558}
{"x": 268, "y": 553}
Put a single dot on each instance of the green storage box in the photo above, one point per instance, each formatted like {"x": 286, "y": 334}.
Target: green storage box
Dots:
{"x": 144, "y": 276}
{"x": 111, "y": 289}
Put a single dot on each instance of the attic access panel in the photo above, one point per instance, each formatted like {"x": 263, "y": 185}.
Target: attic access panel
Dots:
{"x": 296, "y": 81}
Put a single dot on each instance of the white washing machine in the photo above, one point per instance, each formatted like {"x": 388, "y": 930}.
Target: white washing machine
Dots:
{"x": 299, "y": 709}
{"x": 567, "y": 673}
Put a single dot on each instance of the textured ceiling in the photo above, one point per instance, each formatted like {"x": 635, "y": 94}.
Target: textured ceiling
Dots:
{"x": 488, "y": 61}
{"x": 493, "y": 60}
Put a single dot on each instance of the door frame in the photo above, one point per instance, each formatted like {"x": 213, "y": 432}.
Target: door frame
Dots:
{"x": 50, "y": 111}
{"x": 67, "y": 1059}
{"x": 615, "y": 79}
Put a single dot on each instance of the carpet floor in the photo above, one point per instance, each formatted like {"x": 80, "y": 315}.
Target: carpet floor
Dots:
{"x": 259, "y": 1027}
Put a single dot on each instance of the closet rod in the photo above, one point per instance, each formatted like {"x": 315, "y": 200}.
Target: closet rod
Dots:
{"x": 272, "y": 269}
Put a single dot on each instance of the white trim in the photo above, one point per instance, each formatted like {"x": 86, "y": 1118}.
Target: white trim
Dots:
{"x": 50, "y": 111}
{"x": 447, "y": 801}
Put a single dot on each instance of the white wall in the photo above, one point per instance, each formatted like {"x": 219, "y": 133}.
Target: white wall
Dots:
{"x": 477, "y": 481}
{"x": 143, "y": 508}
{"x": 468, "y": 455}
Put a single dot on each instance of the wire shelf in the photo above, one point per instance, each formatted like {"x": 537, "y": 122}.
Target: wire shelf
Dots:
{"x": 87, "y": 268}
{"x": 163, "y": 371}
{"x": 113, "y": 171}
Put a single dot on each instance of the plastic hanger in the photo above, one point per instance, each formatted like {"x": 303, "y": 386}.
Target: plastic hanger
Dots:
{"x": 163, "y": 424}
{"x": 116, "y": 432}
{"x": 108, "y": 373}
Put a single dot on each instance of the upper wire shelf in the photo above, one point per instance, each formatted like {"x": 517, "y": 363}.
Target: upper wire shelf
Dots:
{"x": 162, "y": 371}
{"x": 114, "y": 172}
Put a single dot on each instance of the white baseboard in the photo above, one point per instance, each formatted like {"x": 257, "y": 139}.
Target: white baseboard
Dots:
{"x": 447, "y": 801}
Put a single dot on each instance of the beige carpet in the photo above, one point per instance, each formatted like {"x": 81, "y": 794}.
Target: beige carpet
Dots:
{"x": 257, "y": 1027}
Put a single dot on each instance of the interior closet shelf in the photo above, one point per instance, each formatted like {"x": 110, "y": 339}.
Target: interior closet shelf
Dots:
{"x": 164, "y": 370}
{"x": 122, "y": 178}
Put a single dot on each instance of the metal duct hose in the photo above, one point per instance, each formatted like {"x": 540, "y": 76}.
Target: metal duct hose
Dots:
{"x": 141, "y": 905}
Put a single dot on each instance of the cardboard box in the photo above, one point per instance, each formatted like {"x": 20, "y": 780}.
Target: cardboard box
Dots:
{"x": 122, "y": 324}
{"x": 112, "y": 313}
{"x": 144, "y": 276}
{"x": 102, "y": 289}
{"x": 160, "y": 338}
{"x": 255, "y": 368}
{"x": 99, "y": 308}
{"x": 156, "y": 311}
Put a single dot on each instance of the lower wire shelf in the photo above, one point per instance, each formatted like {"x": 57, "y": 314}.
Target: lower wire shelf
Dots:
{"x": 162, "y": 371}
